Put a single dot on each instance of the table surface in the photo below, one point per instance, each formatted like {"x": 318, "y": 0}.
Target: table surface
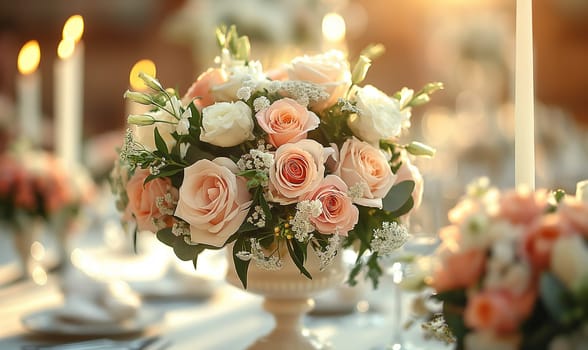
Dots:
{"x": 228, "y": 319}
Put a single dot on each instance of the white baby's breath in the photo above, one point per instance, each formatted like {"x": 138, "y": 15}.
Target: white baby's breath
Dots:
{"x": 389, "y": 237}
{"x": 301, "y": 224}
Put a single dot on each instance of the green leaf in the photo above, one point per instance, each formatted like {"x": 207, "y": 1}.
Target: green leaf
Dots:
{"x": 166, "y": 236}
{"x": 453, "y": 315}
{"x": 159, "y": 142}
{"x": 185, "y": 251}
{"x": 398, "y": 195}
{"x": 298, "y": 257}
{"x": 352, "y": 278}
{"x": 374, "y": 270}
{"x": 195, "y": 262}
{"x": 404, "y": 209}
{"x": 553, "y": 294}
{"x": 241, "y": 266}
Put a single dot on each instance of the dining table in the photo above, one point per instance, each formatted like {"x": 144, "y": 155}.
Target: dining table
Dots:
{"x": 220, "y": 316}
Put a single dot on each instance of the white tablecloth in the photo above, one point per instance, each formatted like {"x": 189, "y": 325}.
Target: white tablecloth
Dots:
{"x": 229, "y": 319}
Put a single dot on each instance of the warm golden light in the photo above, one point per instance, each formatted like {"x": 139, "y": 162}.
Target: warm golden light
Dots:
{"x": 65, "y": 48}
{"x": 39, "y": 275}
{"x": 37, "y": 251}
{"x": 333, "y": 27}
{"x": 73, "y": 28}
{"x": 146, "y": 66}
{"x": 29, "y": 57}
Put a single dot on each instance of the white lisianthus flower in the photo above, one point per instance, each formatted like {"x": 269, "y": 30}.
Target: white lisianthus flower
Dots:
{"x": 379, "y": 117}
{"x": 227, "y": 124}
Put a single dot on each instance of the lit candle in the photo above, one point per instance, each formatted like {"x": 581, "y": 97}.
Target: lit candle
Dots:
{"x": 333, "y": 28}
{"x": 137, "y": 84}
{"x": 28, "y": 85}
{"x": 69, "y": 76}
{"x": 524, "y": 97}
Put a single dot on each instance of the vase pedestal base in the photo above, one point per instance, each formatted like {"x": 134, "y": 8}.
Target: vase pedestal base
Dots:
{"x": 288, "y": 333}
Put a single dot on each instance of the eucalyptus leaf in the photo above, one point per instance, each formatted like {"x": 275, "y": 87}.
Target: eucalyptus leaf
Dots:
{"x": 166, "y": 236}
{"x": 398, "y": 195}
{"x": 184, "y": 251}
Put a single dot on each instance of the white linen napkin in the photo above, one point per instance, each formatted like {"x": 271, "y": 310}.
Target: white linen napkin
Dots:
{"x": 90, "y": 300}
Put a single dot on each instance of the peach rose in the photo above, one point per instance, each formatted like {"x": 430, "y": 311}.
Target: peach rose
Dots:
{"x": 499, "y": 311}
{"x": 143, "y": 199}
{"x": 213, "y": 200}
{"x": 459, "y": 270}
{"x": 200, "y": 91}
{"x": 364, "y": 167}
{"x": 298, "y": 169}
{"x": 522, "y": 207}
{"x": 329, "y": 70}
{"x": 408, "y": 171}
{"x": 339, "y": 215}
{"x": 286, "y": 121}
{"x": 575, "y": 213}
{"x": 539, "y": 239}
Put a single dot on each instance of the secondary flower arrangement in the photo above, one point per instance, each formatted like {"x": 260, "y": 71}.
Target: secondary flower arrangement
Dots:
{"x": 34, "y": 185}
{"x": 272, "y": 163}
{"x": 513, "y": 270}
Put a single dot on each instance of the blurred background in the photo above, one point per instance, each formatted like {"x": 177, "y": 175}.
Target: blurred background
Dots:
{"x": 466, "y": 44}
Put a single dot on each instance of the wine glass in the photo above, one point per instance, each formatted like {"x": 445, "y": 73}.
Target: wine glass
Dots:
{"x": 402, "y": 268}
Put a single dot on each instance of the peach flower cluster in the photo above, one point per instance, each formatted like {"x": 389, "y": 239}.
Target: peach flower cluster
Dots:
{"x": 38, "y": 185}
{"x": 497, "y": 250}
{"x": 258, "y": 158}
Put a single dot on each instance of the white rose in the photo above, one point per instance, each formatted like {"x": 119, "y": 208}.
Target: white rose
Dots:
{"x": 145, "y": 134}
{"x": 329, "y": 70}
{"x": 380, "y": 116}
{"x": 569, "y": 261}
{"x": 227, "y": 124}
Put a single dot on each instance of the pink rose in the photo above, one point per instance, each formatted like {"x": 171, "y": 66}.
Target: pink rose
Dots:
{"x": 329, "y": 70}
{"x": 339, "y": 215}
{"x": 298, "y": 169}
{"x": 575, "y": 213}
{"x": 408, "y": 171}
{"x": 201, "y": 88}
{"x": 364, "y": 167}
{"x": 143, "y": 199}
{"x": 540, "y": 238}
{"x": 213, "y": 200}
{"x": 498, "y": 311}
{"x": 459, "y": 270}
{"x": 286, "y": 121}
{"x": 522, "y": 207}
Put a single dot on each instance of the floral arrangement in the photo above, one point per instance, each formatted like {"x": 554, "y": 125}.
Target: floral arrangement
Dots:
{"x": 270, "y": 162}
{"x": 35, "y": 185}
{"x": 513, "y": 269}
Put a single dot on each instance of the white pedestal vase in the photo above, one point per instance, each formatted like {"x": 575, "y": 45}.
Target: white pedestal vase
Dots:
{"x": 288, "y": 297}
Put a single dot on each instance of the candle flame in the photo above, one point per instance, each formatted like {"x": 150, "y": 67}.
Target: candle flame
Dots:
{"x": 73, "y": 28}
{"x": 333, "y": 27}
{"x": 146, "y": 66}
{"x": 65, "y": 48}
{"x": 29, "y": 57}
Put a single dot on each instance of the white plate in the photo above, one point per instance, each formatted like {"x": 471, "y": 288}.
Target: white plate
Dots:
{"x": 47, "y": 322}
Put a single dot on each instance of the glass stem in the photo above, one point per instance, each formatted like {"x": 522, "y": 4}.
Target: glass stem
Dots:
{"x": 397, "y": 337}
